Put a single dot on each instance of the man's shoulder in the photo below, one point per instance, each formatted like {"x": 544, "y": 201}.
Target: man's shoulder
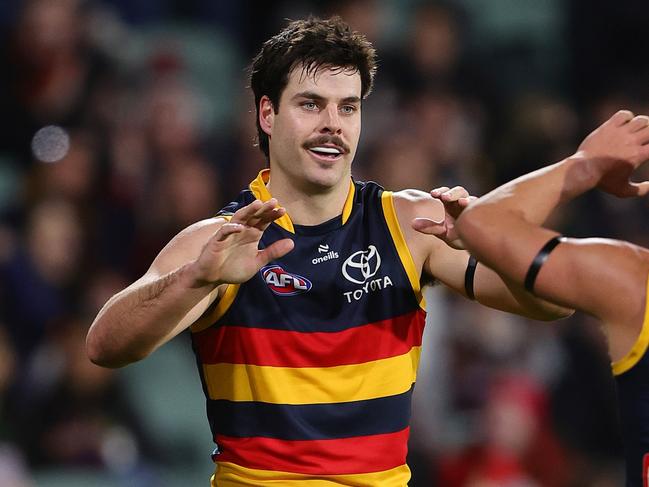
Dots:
{"x": 202, "y": 230}
{"x": 410, "y": 203}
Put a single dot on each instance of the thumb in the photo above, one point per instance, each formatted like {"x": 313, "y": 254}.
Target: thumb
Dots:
{"x": 429, "y": 226}
{"x": 275, "y": 251}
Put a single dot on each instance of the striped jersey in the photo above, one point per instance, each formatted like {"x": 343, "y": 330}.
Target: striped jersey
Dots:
{"x": 632, "y": 384}
{"x": 308, "y": 368}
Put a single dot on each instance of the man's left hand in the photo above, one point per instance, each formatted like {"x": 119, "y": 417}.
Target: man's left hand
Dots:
{"x": 455, "y": 200}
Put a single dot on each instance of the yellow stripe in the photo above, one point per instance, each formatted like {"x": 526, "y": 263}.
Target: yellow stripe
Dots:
{"x": 259, "y": 189}
{"x": 349, "y": 202}
{"x": 312, "y": 385}
{"x": 217, "y": 310}
{"x": 231, "y": 475}
{"x": 639, "y": 347}
{"x": 402, "y": 247}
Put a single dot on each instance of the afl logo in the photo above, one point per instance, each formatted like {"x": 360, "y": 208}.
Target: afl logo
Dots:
{"x": 284, "y": 283}
{"x": 362, "y": 265}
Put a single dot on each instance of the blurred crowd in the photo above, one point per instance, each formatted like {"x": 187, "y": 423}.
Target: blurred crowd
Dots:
{"x": 123, "y": 121}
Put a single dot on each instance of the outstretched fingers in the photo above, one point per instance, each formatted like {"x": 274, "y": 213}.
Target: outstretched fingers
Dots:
{"x": 258, "y": 214}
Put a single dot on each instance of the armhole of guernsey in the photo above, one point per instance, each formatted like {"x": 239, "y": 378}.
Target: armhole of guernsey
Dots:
{"x": 218, "y": 308}
{"x": 639, "y": 347}
{"x": 399, "y": 240}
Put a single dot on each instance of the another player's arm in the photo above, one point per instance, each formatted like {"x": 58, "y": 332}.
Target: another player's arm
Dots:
{"x": 605, "y": 278}
{"x": 182, "y": 282}
{"x": 448, "y": 265}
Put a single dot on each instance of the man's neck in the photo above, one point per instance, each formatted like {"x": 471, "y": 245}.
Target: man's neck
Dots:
{"x": 305, "y": 206}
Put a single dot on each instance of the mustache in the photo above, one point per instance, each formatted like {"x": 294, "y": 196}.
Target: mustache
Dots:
{"x": 327, "y": 139}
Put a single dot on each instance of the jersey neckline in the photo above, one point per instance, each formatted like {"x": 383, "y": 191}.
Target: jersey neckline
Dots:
{"x": 260, "y": 191}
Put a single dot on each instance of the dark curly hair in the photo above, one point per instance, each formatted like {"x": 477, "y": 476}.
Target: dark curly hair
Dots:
{"x": 312, "y": 44}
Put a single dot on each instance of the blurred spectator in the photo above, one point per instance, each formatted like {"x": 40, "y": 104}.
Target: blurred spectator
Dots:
{"x": 51, "y": 71}
{"x": 88, "y": 423}
{"x": 41, "y": 275}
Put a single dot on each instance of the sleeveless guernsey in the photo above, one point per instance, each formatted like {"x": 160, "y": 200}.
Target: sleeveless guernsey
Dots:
{"x": 308, "y": 368}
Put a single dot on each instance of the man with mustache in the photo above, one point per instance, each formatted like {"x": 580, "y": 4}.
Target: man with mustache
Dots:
{"x": 306, "y": 318}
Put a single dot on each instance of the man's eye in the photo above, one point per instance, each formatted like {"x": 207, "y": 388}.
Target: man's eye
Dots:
{"x": 348, "y": 109}
{"x": 310, "y": 105}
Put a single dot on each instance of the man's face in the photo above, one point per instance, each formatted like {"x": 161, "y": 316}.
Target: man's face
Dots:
{"x": 314, "y": 136}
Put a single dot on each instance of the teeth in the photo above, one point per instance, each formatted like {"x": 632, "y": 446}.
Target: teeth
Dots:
{"x": 326, "y": 150}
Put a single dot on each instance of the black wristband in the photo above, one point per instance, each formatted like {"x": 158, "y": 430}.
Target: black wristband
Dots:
{"x": 468, "y": 277}
{"x": 539, "y": 260}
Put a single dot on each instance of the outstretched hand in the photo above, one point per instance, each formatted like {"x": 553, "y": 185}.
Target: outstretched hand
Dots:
{"x": 616, "y": 149}
{"x": 232, "y": 254}
{"x": 455, "y": 200}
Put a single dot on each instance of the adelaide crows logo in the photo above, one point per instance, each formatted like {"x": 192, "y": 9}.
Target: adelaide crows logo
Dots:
{"x": 284, "y": 283}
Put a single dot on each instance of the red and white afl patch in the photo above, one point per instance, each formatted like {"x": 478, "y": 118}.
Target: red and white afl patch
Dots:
{"x": 284, "y": 283}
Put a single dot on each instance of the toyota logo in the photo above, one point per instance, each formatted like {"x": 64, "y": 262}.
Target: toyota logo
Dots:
{"x": 362, "y": 265}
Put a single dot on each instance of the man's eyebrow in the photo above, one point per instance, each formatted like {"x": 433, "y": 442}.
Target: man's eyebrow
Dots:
{"x": 351, "y": 99}
{"x": 311, "y": 95}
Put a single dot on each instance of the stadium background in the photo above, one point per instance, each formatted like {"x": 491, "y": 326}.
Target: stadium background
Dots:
{"x": 158, "y": 133}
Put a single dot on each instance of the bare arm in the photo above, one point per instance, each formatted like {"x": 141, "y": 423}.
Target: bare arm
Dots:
{"x": 602, "y": 277}
{"x": 448, "y": 265}
{"x": 182, "y": 282}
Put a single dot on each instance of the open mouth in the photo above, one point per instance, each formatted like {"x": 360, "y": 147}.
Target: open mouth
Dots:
{"x": 326, "y": 152}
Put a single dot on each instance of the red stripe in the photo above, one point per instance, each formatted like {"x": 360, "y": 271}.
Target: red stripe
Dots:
{"x": 360, "y": 454}
{"x": 281, "y": 348}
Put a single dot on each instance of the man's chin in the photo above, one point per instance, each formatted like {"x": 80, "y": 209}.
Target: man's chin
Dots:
{"x": 324, "y": 183}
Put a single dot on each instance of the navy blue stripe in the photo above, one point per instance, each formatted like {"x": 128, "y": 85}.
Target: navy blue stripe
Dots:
{"x": 259, "y": 310}
{"x": 312, "y": 421}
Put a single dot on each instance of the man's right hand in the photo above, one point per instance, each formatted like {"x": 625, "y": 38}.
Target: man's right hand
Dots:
{"x": 614, "y": 150}
{"x": 232, "y": 254}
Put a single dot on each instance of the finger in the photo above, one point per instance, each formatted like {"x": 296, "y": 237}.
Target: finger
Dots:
{"x": 263, "y": 214}
{"x": 437, "y": 192}
{"x": 268, "y": 217}
{"x": 641, "y": 189}
{"x": 621, "y": 117}
{"x": 243, "y": 214}
{"x": 228, "y": 229}
{"x": 638, "y": 123}
{"x": 275, "y": 251}
{"x": 264, "y": 209}
{"x": 455, "y": 194}
{"x": 464, "y": 202}
{"x": 428, "y": 226}
{"x": 643, "y": 135}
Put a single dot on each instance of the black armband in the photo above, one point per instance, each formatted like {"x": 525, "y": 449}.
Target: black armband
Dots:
{"x": 468, "y": 277}
{"x": 539, "y": 260}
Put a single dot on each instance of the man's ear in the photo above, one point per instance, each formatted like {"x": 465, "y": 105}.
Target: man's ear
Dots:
{"x": 266, "y": 115}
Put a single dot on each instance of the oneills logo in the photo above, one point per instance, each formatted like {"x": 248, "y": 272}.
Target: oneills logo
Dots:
{"x": 284, "y": 283}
